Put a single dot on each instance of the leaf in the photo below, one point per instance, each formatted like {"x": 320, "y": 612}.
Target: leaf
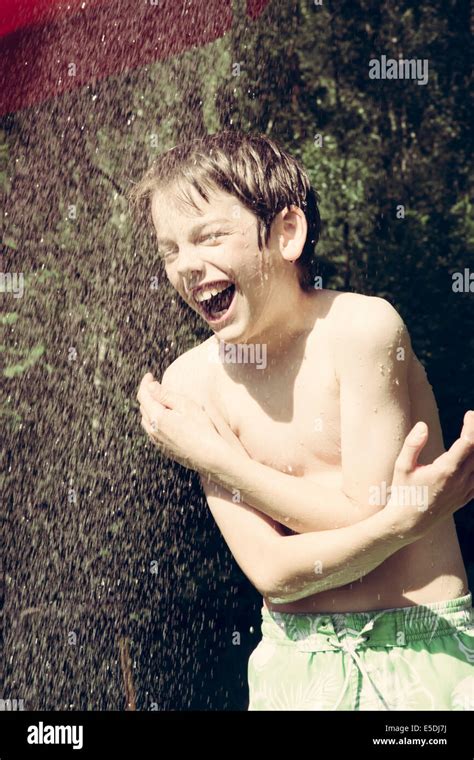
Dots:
{"x": 9, "y": 319}
{"x": 18, "y": 369}
{"x": 9, "y": 242}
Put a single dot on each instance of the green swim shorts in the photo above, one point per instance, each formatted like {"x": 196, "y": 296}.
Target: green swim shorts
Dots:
{"x": 407, "y": 658}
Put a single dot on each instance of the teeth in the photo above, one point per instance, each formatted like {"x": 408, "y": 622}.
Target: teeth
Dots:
{"x": 205, "y": 295}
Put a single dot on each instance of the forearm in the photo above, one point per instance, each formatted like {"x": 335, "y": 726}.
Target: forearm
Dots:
{"x": 284, "y": 568}
{"x": 308, "y": 564}
{"x": 301, "y": 504}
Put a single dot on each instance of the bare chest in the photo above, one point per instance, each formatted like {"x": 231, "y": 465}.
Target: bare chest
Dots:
{"x": 287, "y": 417}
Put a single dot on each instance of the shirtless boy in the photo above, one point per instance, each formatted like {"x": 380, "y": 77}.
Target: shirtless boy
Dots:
{"x": 298, "y": 452}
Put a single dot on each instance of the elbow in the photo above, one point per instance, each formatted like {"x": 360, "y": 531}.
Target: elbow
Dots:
{"x": 275, "y": 586}
{"x": 283, "y": 591}
{"x": 265, "y": 582}
{"x": 268, "y": 589}
{"x": 283, "y": 585}
{"x": 275, "y": 595}
{"x": 279, "y": 595}
{"x": 270, "y": 581}
{"x": 278, "y": 581}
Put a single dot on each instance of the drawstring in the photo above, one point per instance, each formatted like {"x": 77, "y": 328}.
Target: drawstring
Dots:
{"x": 350, "y": 645}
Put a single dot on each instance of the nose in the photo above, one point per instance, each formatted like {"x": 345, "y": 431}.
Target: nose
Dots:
{"x": 189, "y": 262}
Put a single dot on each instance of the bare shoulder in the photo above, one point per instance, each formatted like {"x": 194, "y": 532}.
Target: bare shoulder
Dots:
{"x": 364, "y": 319}
{"x": 368, "y": 332}
{"x": 190, "y": 372}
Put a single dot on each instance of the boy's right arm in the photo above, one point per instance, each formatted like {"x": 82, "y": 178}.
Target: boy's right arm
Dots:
{"x": 284, "y": 568}
{"x": 249, "y": 534}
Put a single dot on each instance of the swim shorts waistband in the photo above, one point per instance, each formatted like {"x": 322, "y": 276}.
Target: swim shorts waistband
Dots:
{"x": 387, "y": 627}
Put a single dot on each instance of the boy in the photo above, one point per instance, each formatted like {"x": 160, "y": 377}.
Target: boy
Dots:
{"x": 309, "y": 440}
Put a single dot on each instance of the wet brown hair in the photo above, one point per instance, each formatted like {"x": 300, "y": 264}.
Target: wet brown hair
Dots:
{"x": 253, "y": 168}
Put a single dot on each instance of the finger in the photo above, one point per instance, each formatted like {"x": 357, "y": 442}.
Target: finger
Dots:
{"x": 222, "y": 427}
{"x": 145, "y": 382}
{"x": 215, "y": 416}
{"x": 150, "y": 405}
{"x": 150, "y": 427}
{"x": 176, "y": 401}
{"x": 412, "y": 447}
{"x": 149, "y": 387}
{"x": 168, "y": 398}
{"x": 149, "y": 391}
{"x": 145, "y": 416}
{"x": 467, "y": 432}
{"x": 146, "y": 425}
{"x": 463, "y": 448}
{"x": 155, "y": 389}
{"x": 467, "y": 468}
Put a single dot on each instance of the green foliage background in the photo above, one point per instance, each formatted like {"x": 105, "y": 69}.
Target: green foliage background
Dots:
{"x": 103, "y": 539}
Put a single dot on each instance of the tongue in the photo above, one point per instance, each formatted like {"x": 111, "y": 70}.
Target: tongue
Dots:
{"x": 218, "y": 305}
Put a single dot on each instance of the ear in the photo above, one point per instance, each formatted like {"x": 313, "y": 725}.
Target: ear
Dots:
{"x": 290, "y": 227}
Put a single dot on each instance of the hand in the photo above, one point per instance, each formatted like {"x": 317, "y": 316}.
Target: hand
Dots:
{"x": 448, "y": 483}
{"x": 179, "y": 427}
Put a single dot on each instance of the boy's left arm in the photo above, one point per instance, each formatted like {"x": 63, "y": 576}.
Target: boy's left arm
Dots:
{"x": 373, "y": 365}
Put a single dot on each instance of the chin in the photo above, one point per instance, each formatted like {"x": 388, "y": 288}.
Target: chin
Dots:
{"x": 230, "y": 335}
{"x": 234, "y": 332}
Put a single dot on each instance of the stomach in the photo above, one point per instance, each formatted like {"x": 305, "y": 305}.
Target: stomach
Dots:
{"x": 429, "y": 570}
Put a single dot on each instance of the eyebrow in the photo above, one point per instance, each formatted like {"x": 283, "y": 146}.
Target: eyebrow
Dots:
{"x": 194, "y": 230}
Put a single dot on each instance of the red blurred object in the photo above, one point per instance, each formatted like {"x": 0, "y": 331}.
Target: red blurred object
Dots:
{"x": 18, "y": 14}
{"x": 51, "y": 46}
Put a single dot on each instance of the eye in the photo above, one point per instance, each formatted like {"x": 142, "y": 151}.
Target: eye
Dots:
{"x": 166, "y": 253}
{"x": 212, "y": 236}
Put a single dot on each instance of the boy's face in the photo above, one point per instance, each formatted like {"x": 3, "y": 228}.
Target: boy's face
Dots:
{"x": 212, "y": 258}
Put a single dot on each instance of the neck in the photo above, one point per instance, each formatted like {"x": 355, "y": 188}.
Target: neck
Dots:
{"x": 296, "y": 315}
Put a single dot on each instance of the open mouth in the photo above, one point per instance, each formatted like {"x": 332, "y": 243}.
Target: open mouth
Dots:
{"x": 214, "y": 305}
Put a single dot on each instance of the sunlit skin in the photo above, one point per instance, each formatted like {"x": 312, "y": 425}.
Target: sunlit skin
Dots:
{"x": 332, "y": 356}
{"x": 270, "y": 305}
